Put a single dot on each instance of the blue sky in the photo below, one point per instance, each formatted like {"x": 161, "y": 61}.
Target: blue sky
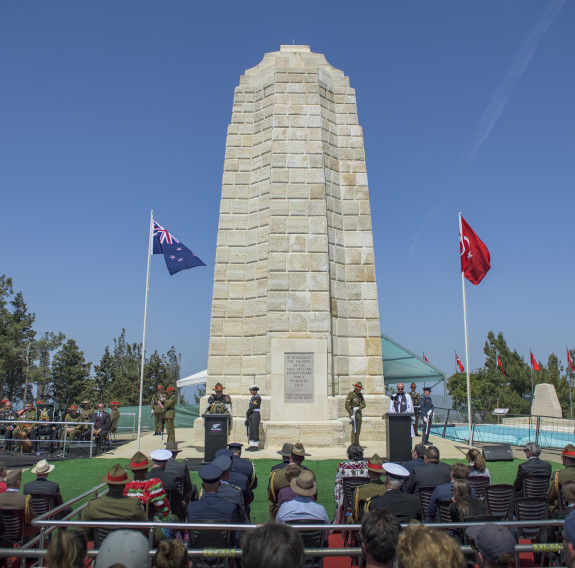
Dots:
{"x": 111, "y": 109}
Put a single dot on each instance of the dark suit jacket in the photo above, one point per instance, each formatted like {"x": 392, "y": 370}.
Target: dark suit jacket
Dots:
{"x": 429, "y": 474}
{"x": 105, "y": 421}
{"x": 413, "y": 464}
{"x": 41, "y": 486}
{"x": 181, "y": 470}
{"x": 403, "y": 505}
{"x": 533, "y": 466}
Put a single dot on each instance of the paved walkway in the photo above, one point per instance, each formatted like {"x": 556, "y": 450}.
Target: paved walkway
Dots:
{"x": 148, "y": 443}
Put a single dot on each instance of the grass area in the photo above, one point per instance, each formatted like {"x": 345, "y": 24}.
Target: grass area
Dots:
{"x": 78, "y": 476}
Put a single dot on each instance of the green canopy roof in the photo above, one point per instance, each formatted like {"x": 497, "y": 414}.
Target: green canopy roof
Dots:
{"x": 400, "y": 365}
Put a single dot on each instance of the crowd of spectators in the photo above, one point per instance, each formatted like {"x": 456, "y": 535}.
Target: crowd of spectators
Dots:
{"x": 158, "y": 488}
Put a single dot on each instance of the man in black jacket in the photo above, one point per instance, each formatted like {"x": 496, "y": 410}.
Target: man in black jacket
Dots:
{"x": 102, "y": 424}
{"x": 533, "y": 466}
{"x": 418, "y": 460}
{"x": 41, "y": 486}
{"x": 432, "y": 473}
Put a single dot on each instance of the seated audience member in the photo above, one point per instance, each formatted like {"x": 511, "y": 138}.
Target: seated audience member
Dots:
{"x": 238, "y": 478}
{"x": 3, "y": 474}
{"x": 13, "y": 499}
{"x": 160, "y": 459}
{"x": 431, "y": 473}
{"x": 494, "y": 545}
{"x": 477, "y": 464}
{"x": 569, "y": 541}
{"x": 464, "y": 504}
{"x": 378, "y": 537}
{"x": 426, "y": 547}
{"x": 533, "y": 466}
{"x": 561, "y": 476}
{"x": 67, "y": 549}
{"x": 126, "y": 548}
{"x": 404, "y": 506}
{"x": 285, "y": 454}
{"x": 114, "y": 504}
{"x": 568, "y": 490}
{"x": 375, "y": 487}
{"x": 418, "y": 455}
{"x": 227, "y": 490}
{"x": 355, "y": 466}
{"x": 212, "y": 507}
{"x": 444, "y": 491}
{"x": 180, "y": 469}
{"x": 243, "y": 465}
{"x": 171, "y": 554}
{"x": 41, "y": 486}
{"x": 272, "y": 545}
{"x": 303, "y": 507}
{"x": 287, "y": 493}
{"x": 102, "y": 422}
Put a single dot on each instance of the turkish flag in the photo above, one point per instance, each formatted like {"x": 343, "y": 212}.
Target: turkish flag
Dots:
{"x": 500, "y": 365}
{"x": 534, "y": 363}
{"x": 475, "y": 259}
{"x": 569, "y": 360}
{"x": 460, "y": 364}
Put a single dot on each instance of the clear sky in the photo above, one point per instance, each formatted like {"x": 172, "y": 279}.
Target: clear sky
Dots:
{"x": 109, "y": 109}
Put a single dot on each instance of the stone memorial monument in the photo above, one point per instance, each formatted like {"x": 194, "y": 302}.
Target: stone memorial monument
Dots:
{"x": 295, "y": 306}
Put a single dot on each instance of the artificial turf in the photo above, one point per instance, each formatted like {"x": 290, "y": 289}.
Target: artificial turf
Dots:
{"x": 78, "y": 476}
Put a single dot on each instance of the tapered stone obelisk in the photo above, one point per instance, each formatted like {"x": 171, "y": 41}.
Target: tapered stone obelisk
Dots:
{"x": 295, "y": 306}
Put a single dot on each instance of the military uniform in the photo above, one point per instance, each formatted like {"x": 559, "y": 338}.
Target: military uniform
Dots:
{"x": 157, "y": 406}
{"x": 253, "y": 417}
{"x": 426, "y": 411}
{"x": 557, "y": 480}
{"x": 364, "y": 492}
{"x": 415, "y": 397}
{"x": 25, "y": 431}
{"x": 114, "y": 418}
{"x": 355, "y": 400}
{"x": 73, "y": 416}
{"x": 7, "y": 428}
{"x": 170, "y": 413}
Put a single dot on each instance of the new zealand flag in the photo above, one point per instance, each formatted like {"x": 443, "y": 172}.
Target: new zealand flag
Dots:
{"x": 177, "y": 256}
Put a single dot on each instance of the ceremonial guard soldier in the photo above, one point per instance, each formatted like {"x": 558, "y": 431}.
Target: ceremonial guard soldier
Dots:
{"x": 426, "y": 411}
{"x": 157, "y": 409}
{"x": 253, "y": 418}
{"x": 354, "y": 404}
{"x": 114, "y": 415}
{"x": 415, "y": 398}
{"x": 170, "y": 412}
{"x": 86, "y": 410}
{"x": 7, "y": 428}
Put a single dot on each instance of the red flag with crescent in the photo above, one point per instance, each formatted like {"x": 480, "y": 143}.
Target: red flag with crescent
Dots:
{"x": 459, "y": 364}
{"x": 570, "y": 361}
{"x": 500, "y": 365}
{"x": 475, "y": 259}
{"x": 534, "y": 363}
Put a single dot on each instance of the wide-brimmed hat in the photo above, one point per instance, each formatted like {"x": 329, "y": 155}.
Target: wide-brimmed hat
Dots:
{"x": 219, "y": 387}
{"x": 568, "y": 451}
{"x": 170, "y": 389}
{"x": 117, "y": 476}
{"x": 160, "y": 387}
{"x": 173, "y": 447}
{"x": 42, "y": 467}
{"x": 73, "y": 407}
{"x": 139, "y": 461}
{"x": 115, "y": 403}
{"x": 304, "y": 484}
{"x": 85, "y": 401}
{"x": 286, "y": 450}
{"x": 13, "y": 477}
{"x": 492, "y": 540}
{"x": 375, "y": 463}
{"x": 358, "y": 385}
{"x": 413, "y": 385}
{"x": 299, "y": 450}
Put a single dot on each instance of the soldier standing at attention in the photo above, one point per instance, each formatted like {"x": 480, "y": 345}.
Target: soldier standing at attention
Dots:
{"x": 86, "y": 411}
{"x": 170, "y": 412}
{"x": 426, "y": 410}
{"x": 157, "y": 408}
{"x": 114, "y": 416}
{"x": 253, "y": 419}
{"x": 354, "y": 404}
{"x": 415, "y": 397}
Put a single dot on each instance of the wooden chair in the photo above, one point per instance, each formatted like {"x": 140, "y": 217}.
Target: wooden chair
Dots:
{"x": 535, "y": 486}
{"x": 479, "y": 483}
{"x": 311, "y": 539}
{"x": 499, "y": 498}
{"x": 424, "y": 495}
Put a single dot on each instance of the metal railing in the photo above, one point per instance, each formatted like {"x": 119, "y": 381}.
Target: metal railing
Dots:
{"x": 513, "y": 429}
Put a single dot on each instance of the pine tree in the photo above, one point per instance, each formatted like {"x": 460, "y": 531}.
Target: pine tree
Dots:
{"x": 70, "y": 375}
{"x": 104, "y": 376}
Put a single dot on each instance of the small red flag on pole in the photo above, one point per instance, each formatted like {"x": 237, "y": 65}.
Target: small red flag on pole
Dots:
{"x": 534, "y": 363}
{"x": 459, "y": 363}
{"x": 475, "y": 259}
{"x": 500, "y": 365}
{"x": 570, "y": 361}
{"x": 426, "y": 360}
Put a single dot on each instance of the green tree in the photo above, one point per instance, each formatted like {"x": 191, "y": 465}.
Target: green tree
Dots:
{"x": 125, "y": 387}
{"x": 104, "y": 376}
{"x": 40, "y": 372}
{"x": 70, "y": 375}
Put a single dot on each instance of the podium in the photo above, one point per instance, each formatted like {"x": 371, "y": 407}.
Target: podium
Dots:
{"x": 398, "y": 439}
{"x": 216, "y": 434}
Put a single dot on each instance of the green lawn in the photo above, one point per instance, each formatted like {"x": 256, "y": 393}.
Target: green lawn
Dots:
{"x": 77, "y": 476}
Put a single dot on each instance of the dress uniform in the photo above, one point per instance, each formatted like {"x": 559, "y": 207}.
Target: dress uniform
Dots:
{"x": 114, "y": 416}
{"x": 415, "y": 398}
{"x": 157, "y": 409}
{"x": 26, "y": 431}
{"x": 228, "y": 490}
{"x": 7, "y": 428}
{"x": 170, "y": 413}
{"x": 563, "y": 475}
{"x": 219, "y": 403}
{"x": 114, "y": 505}
{"x": 242, "y": 465}
{"x": 68, "y": 431}
{"x": 426, "y": 411}
{"x": 253, "y": 418}
{"x": 354, "y": 404}
{"x": 375, "y": 487}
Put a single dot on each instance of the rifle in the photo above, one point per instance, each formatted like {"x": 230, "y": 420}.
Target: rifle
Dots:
{"x": 163, "y": 421}
{"x": 354, "y": 421}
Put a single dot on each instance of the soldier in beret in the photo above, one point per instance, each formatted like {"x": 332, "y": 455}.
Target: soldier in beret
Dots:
{"x": 170, "y": 412}
{"x": 371, "y": 489}
{"x": 354, "y": 404}
{"x": 157, "y": 409}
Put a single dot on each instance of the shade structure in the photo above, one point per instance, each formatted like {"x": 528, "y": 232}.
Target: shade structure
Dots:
{"x": 400, "y": 365}
{"x": 195, "y": 379}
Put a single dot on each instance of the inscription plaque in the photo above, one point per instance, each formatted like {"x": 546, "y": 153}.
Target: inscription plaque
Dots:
{"x": 298, "y": 377}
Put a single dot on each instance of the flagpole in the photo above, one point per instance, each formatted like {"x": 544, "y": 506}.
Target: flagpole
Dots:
{"x": 569, "y": 381}
{"x": 532, "y": 390}
{"x": 466, "y": 348}
{"x": 144, "y": 333}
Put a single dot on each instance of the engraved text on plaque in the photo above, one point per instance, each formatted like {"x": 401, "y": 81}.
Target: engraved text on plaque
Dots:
{"x": 298, "y": 377}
